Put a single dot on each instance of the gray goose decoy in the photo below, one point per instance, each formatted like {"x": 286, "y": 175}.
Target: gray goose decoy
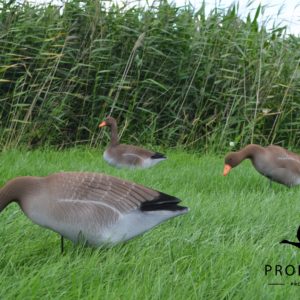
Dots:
{"x": 121, "y": 155}
{"x": 98, "y": 208}
{"x": 273, "y": 162}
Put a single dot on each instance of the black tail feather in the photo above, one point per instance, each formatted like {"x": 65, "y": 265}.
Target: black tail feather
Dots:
{"x": 158, "y": 155}
{"x": 162, "y": 202}
{"x": 166, "y": 206}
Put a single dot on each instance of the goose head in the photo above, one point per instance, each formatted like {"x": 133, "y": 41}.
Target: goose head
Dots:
{"x": 109, "y": 121}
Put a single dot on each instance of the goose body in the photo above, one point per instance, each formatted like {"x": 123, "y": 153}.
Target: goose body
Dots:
{"x": 273, "y": 162}
{"x": 130, "y": 156}
{"x": 98, "y": 208}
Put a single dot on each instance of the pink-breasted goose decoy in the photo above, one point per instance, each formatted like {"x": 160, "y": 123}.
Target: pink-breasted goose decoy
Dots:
{"x": 296, "y": 244}
{"x": 99, "y": 208}
{"x": 130, "y": 156}
{"x": 273, "y": 162}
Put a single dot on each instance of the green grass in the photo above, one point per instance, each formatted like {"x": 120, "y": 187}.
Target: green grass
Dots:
{"x": 216, "y": 251}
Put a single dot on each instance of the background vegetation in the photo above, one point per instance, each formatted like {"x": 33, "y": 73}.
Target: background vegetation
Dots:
{"x": 172, "y": 76}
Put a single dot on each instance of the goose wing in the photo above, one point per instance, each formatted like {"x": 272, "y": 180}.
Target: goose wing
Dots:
{"x": 109, "y": 193}
{"x": 132, "y": 150}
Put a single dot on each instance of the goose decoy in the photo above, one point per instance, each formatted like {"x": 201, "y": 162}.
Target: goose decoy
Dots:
{"x": 121, "y": 155}
{"x": 293, "y": 243}
{"x": 98, "y": 208}
{"x": 273, "y": 162}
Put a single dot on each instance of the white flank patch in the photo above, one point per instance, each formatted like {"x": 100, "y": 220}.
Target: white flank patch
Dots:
{"x": 137, "y": 222}
{"x": 287, "y": 157}
{"x": 97, "y": 233}
{"x": 149, "y": 162}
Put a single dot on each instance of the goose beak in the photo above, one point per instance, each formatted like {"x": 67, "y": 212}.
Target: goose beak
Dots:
{"x": 102, "y": 124}
{"x": 227, "y": 169}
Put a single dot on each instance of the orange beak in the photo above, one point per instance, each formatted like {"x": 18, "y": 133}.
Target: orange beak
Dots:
{"x": 102, "y": 124}
{"x": 227, "y": 169}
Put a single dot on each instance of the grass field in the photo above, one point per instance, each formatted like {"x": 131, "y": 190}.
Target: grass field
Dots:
{"x": 216, "y": 251}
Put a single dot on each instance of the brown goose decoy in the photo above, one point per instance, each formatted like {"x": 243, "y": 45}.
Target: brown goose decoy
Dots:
{"x": 99, "y": 208}
{"x": 274, "y": 162}
{"x": 121, "y": 155}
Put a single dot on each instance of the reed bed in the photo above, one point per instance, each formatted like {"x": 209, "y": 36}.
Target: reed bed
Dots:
{"x": 173, "y": 76}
